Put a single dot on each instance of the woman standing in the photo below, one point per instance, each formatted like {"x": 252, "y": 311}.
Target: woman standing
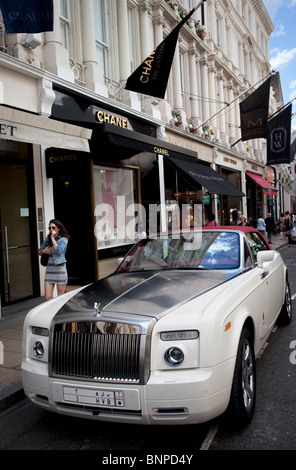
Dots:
{"x": 282, "y": 222}
{"x": 55, "y": 245}
{"x": 287, "y": 221}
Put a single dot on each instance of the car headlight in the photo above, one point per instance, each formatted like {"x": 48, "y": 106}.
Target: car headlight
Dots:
{"x": 175, "y": 348}
{"x": 38, "y": 349}
{"x": 174, "y": 356}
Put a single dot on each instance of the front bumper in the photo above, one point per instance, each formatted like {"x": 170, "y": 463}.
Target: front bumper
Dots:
{"x": 169, "y": 397}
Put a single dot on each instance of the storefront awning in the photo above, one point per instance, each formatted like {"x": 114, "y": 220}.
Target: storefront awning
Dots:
{"x": 267, "y": 188}
{"x": 31, "y": 128}
{"x": 184, "y": 159}
{"x": 206, "y": 177}
{"x": 144, "y": 143}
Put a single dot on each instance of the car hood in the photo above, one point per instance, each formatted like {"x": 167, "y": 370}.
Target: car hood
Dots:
{"x": 142, "y": 293}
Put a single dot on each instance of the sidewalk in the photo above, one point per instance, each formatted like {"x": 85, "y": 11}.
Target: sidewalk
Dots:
{"x": 11, "y": 329}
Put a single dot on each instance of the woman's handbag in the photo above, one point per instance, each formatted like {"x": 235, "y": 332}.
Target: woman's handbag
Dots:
{"x": 44, "y": 259}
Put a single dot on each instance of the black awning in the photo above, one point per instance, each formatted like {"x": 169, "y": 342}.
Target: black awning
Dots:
{"x": 184, "y": 159}
{"x": 144, "y": 143}
{"x": 205, "y": 176}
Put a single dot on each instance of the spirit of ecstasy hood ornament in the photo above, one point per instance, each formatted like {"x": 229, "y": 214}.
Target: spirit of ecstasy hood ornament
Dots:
{"x": 98, "y": 310}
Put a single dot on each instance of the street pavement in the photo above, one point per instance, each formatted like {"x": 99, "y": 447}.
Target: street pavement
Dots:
{"x": 11, "y": 330}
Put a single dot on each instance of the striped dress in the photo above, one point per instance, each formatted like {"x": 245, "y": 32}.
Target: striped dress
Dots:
{"x": 55, "y": 274}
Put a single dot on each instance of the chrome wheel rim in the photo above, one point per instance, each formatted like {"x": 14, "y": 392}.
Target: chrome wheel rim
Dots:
{"x": 288, "y": 301}
{"x": 248, "y": 379}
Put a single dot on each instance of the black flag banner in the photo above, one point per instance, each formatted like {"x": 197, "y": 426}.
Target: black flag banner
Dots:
{"x": 293, "y": 150}
{"x": 254, "y": 113}
{"x": 279, "y": 137}
{"x": 27, "y": 16}
{"x": 151, "y": 77}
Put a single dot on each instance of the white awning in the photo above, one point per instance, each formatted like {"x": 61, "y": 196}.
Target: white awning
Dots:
{"x": 25, "y": 127}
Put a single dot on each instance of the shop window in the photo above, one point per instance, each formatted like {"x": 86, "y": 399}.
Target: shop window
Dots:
{"x": 116, "y": 208}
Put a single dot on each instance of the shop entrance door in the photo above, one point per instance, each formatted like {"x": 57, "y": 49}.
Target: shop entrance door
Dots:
{"x": 72, "y": 206}
{"x": 16, "y": 261}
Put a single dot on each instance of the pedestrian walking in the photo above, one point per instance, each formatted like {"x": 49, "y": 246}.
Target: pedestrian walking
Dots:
{"x": 270, "y": 226}
{"x": 261, "y": 225}
{"x": 140, "y": 231}
{"x": 212, "y": 222}
{"x": 288, "y": 222}
{"x": 55, "y": 247}
{"x": 282, "y": 223}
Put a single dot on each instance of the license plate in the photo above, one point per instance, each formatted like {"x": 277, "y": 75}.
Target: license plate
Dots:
{"x": 97, "y": 397}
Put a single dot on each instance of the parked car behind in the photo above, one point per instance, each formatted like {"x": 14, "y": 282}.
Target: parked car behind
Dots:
{"x": 292, "y": 235}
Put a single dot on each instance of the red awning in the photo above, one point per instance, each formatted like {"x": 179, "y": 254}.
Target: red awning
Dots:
{"x": 267, "y": 188}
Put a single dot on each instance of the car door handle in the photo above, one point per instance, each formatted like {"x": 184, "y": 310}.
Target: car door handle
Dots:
{"x": 264, "y": 274}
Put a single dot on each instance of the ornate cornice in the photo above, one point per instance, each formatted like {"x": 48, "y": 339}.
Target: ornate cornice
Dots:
{"x": 263, "y": 15}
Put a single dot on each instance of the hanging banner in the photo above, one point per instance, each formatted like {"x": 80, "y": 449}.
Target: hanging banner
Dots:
{"x": 151, "y": 77}
{"x": 254, "y": 113}
{"x": 279, "y": 137}
{"x": 27, "y": 16}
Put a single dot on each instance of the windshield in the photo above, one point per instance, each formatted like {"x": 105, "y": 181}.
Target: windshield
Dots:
{"x": 197, "y": 250}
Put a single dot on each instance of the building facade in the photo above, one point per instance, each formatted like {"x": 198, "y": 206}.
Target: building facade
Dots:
{"x": 74, "y": 141}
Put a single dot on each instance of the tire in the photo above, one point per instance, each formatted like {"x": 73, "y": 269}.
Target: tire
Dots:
{"x": 243, "y": 393}
{"x": 285, "y": 315}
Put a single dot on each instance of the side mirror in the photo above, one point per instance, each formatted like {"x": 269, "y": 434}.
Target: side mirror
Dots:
{"x": 119, "y": 260}
{"x": 264, "y": 257}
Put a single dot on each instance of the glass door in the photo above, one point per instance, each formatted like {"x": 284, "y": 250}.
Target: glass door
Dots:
{"x": 16, "y": 264}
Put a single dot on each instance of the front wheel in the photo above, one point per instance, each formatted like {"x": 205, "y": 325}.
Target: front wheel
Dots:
{"x": 285, "y": 315}
{"x": 243, "y": 393}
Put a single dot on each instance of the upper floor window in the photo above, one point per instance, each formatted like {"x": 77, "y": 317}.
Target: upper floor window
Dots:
{"x": 182, "y": 79}
{"x": 130, "y": 36}
{"x": 100, "y": 34}
{"x": 219, "y": 34}
{"x": 64, "y": 23}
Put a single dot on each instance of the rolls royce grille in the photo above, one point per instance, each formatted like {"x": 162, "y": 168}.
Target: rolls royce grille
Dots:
{"x": 95, "y": 355}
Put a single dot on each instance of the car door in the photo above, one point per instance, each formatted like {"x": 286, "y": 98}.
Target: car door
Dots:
{"x": 271, "y": 278}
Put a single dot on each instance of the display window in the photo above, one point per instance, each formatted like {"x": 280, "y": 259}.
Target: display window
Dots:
{"x": 116, "y": 205}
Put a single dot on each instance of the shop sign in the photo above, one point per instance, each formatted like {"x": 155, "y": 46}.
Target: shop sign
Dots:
{"x": 7, "y": 130}
{"x": 103, "y": 117}
{"x": 161, "y": 151}
{"x": 61, "y": 163}
{"x": 37, "y": 135}
{"x": 116, "y": 251}
{"x": 230, "y": 160}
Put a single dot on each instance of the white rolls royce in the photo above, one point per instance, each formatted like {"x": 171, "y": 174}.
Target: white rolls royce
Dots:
{"x": 171, "y": 337}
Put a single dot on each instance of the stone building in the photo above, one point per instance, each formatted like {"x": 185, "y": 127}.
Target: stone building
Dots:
{"x": 72, "y": 138}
